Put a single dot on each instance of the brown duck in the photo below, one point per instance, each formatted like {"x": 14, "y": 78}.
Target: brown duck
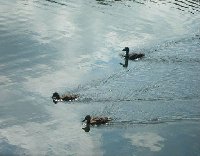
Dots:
{"x": 96, "y": 120}
{"x": 132, "y": 56}
{"x": 56, "y": 97}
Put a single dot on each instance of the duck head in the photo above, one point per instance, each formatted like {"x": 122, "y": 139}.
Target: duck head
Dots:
{"x": 126, "y": 49}
{"x": 87, "y": 118}
{"x": 55, "y": 96}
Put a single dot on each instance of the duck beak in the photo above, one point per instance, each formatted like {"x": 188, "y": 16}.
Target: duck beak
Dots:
{"x": 83, "y": 120}
{"x": 124, "y": 49}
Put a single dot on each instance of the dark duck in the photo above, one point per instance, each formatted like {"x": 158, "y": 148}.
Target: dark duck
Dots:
{"x": 96, "y": 120}
{"x": 57, "y": 98}
{"x": 132, "y": 56}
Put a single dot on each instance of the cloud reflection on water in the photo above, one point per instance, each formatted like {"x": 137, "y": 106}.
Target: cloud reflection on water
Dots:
{"x": 149, "y": 140}
{"x": 59, "y": 136}
{"x": 83, "y": 43}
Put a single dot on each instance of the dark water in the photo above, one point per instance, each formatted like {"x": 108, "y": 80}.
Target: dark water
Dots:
{"x": 75, "y": 46}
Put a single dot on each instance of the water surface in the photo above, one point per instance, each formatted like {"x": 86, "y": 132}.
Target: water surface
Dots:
{"x": 75, "y": 47}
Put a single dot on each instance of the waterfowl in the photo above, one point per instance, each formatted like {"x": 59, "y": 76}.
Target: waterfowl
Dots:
{"x": 132, "y": 56}
{"x": 56, "y": 97}
{"x": 96, "y": 120}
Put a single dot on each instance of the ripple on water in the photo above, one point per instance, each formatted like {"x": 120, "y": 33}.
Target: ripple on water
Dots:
{"x": 187, "y": 6}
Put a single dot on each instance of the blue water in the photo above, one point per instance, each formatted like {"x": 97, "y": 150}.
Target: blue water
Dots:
{"x": 75, "y": 47}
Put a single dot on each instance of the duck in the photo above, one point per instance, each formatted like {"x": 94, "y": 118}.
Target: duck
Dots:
{"x": 56, "y": 97}
{"x": 132, "y": 56}
{"x": 96, "y": 120}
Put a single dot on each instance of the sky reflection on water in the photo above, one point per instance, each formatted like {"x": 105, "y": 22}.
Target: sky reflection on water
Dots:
{"x": 63, "y": 46}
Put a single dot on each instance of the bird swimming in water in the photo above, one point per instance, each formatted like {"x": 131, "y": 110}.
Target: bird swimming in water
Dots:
{"x": 57, "y": 98}
{"x": 132, "y": 56}
{"x": 96, "y": 120}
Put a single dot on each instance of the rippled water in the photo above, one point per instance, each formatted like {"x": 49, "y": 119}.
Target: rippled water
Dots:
{"x": 75, "y": 47}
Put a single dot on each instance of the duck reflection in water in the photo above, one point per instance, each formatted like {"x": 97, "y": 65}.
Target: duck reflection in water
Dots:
{"x": 86, "y": 128}
{"x": 125, "y": 65}
{"x": 68, "y": 97}
{"x": 94, "y": 121}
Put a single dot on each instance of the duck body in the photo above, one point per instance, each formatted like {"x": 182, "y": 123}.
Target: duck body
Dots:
{"x": 132, "y": 56}
{"x": 57, "y": 98}
{"x": 96, "y": 120}
{"x": 69, "y": 97}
